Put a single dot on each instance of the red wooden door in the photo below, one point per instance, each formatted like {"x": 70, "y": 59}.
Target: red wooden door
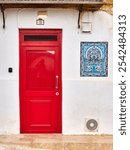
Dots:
{"x": 40, "y": 81}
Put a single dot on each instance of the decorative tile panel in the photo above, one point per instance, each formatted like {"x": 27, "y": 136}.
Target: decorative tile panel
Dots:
{"x": 94, "y": 59}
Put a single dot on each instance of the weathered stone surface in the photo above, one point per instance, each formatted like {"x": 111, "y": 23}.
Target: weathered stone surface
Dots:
{"x": 55, "y": 142}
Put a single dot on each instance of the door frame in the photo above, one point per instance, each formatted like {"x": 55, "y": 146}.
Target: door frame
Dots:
{"x": 35, "y": 31}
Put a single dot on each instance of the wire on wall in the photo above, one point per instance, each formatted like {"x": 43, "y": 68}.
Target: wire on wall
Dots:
{"x": 3, "y": 14}
{"x": 79, "y": 16}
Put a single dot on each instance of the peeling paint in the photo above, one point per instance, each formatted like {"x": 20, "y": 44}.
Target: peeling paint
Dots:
{"x": 108, "y": 6}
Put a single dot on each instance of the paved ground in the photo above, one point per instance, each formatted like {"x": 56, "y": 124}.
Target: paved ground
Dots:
{"x": 55, "y": 142}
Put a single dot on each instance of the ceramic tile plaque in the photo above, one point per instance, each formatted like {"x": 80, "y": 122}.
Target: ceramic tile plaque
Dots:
{"x": 94, "y": 59}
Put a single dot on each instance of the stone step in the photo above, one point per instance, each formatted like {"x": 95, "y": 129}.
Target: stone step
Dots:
{"x": 18, "y": 147}
{"x": 55, "y": 142}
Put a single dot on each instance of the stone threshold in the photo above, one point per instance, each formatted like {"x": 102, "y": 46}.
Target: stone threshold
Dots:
{"x": 55, "y": 142}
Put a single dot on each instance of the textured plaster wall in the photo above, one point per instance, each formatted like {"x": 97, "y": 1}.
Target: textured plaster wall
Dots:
{"x": 82, "y": 97}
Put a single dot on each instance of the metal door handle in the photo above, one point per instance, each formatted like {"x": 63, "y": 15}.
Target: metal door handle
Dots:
{"x": 57, "y": 81}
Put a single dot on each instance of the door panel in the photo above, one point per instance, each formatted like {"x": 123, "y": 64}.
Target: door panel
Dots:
{"x": 40, "y": 87}
{"x": 41, "y": 70}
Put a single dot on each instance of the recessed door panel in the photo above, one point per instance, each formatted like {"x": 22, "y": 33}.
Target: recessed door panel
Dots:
{"x": 41, "y": 70}
{"x": 40, "y": 85}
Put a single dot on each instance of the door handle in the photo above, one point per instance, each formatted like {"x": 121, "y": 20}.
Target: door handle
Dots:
{"x": 57, "y": 81}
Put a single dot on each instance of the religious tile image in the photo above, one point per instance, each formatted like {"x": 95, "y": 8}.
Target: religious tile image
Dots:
{"x": 94, "y": 59}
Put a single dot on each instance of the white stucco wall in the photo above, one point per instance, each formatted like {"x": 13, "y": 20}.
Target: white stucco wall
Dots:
{"x": 88, "y": 97}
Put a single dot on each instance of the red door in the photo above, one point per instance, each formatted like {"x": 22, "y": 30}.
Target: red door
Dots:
{"x": 40, "y": 81}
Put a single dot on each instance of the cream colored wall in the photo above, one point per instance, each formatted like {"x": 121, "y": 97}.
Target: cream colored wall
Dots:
{"x": 87, "y": 97}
